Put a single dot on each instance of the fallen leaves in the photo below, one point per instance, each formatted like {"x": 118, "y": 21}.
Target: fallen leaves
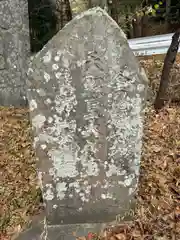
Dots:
{"x": 19, "y": 198}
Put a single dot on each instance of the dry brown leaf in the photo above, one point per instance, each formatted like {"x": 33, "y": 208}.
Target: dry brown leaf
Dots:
{"x": 120, "y": 236}
{"x": 177, "y": 213}
{"x": 81, "y": 238}
{"x": 113, "y": 238}
{"x": 156, "y": 148}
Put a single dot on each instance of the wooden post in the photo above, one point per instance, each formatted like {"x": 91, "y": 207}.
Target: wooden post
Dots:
{"x": 136, "y": 22}
{"x": 168, "y": 64}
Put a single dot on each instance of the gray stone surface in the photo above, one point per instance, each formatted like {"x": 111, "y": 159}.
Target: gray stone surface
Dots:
{"x": 14, "y": 51}
{"x": 86, "y": 96}
{"x": 59, "y": 232}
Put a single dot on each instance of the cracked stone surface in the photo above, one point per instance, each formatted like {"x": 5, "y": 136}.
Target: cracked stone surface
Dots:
{"x": 14, "y": 51}
{"x": 86, "y": 94}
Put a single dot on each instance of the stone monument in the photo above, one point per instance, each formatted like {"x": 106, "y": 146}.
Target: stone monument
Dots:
{"x": 86, "y": 97}
{"x": 14, "y": 51}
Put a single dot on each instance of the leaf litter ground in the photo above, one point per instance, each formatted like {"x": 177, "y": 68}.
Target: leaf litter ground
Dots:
{"x": 157, "y": 215}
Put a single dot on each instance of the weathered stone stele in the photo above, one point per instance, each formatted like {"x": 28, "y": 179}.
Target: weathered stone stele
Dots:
{"x": 14, "y": 51}
{"x": 86, "y": 96}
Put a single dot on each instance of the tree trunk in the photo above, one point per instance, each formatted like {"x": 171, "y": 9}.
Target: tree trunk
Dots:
{"x": 46, "y": 19}
{"x": 63, "y": 13}
{"x": 168, "y": 64}
{"x": 114, "y": 10}
{"x": 144, "y": 25}
{"x": 136, "y": 23}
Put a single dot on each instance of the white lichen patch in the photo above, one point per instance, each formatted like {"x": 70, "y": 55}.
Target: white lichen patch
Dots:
{"x": 128, "y": 181}
{"x": 57, "y": 58}
{"x": 112, "y": 170}
{"x": 59, "y": 53}
{"x": 32, "y": 105}
{"x": 88, "y": 190}
{"x": 83, "y": 191}
{"x": 65, "y": 62}
{"x": 58, "y": 75}
{"x": 48, "y": 194}
{"x": 76, "y": 186}
{"x": 106, "y": 196}
{"x": 41, "y": 92}
{"x": 50, "y": 120}
{"x": 55, "y": 67}
{"x": 48, "y": 101}
{"x": 29, "y": 71}
{"x": 46, "y": 77}
{"x": 90, "y": 167}
{"x": 81, "y": 63}
{"x": 126, "y": 73}
{"x": 47, "y": 57}
{"x": 64, "y": 163}
{"x": 85, "y": 182}
{"x": 61, "y": 190}
{"x": 38, "y": 121}
{"x": 135, "y": 164}
{"x": 36, "y": 140}
{"x": 115, "y": 170}
{"x": 132, "y": 190}
{"x": 43, "y": 146}
{"x": 40, "y": 179}
{"x": 52, "y": 172}
{"x": 84, "y": 197}
{"x": 140, "y": 87}
{"x": 47, "y": 138}
{"x": 121, "y": 183}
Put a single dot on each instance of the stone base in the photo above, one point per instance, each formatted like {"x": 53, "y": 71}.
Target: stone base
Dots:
{"x": 34, "y": 230}
{"x": 60, "y": 232}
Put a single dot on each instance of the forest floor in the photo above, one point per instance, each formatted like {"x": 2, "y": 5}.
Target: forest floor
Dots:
{"x": 158, "y": 210}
